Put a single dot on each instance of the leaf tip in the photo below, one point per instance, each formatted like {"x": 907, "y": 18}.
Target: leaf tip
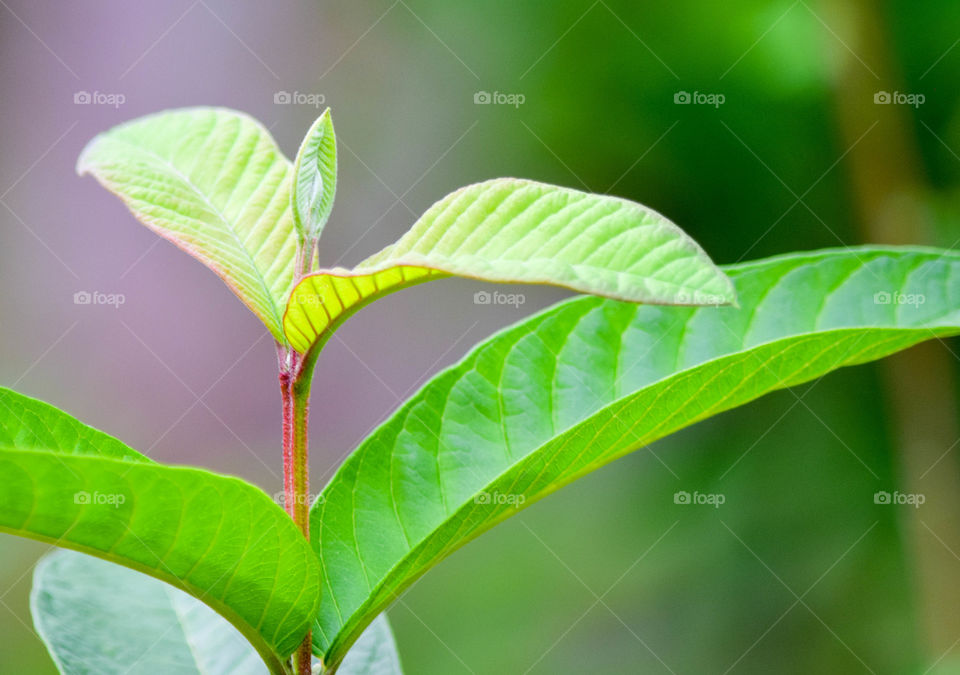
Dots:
{"x": 83, "y": 166}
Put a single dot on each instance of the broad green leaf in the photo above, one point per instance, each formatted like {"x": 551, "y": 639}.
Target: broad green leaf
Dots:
{"x": 218, "y": 538}
{"x": 519, "y": 231}
{"x": 589, "y": 380}
{"x": 97, "y": 617}
{"x": 375, "y": 653}
{"x": 315, "y": 178}
{"x": 214, "y": 183}
{"x": 29, "y": 424}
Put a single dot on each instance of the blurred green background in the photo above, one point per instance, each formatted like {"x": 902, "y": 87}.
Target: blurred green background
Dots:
{"x": 798, "y": 571}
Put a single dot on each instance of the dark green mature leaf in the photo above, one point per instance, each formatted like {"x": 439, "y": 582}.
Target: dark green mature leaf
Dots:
{"x": 519, "y": 231}
{"x": 218, "y": 538}
{"x": 589, "y": 380}
{"x": 97, "y": 617}
{"x": 214, "y": 183}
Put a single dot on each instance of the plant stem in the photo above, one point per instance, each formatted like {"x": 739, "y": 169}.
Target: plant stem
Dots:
{"x": 295, "y": 394}
{"x": 296, "y": 480}
{"x": 296, "y": 375}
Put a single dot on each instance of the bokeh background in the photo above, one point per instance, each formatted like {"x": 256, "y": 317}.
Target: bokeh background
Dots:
{"x": 798, "y": 571}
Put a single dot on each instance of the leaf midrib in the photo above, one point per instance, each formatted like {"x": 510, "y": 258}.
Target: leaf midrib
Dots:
{"x": 422, "y": 260}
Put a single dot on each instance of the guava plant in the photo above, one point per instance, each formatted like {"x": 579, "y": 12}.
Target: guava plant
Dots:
{"x": 662, "y": 339}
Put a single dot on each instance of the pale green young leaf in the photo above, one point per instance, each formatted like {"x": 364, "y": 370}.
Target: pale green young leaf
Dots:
{"x": 216, "y": 537}
{"x": 519, "y": 231}
{"x": 589, "y": 380}
{"x": 97, "y": 617}
{"x": 213, "y": 182}
{"x": 315, "y": 178}
{"x": 374, "y": 653}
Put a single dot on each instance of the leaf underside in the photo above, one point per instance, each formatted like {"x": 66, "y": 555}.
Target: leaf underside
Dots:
{"x": 97, "y": 617}
{"x": 520, "y": 231}
{"x": 216, "y": 537}
{"x": 214, "y": 183}
{"x": 375, "y": 653}
{"x": 589, "y": 380}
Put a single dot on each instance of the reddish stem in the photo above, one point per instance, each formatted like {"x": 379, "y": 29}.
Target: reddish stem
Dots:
{"x": 288, "y": 489}
{"x": 296, "y": 374}
{"x": 295, "y": 394}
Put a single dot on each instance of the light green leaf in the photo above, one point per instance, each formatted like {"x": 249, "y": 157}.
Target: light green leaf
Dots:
{"x": 29, "y": 424}
{"x": 213, "y": 182}
{"x": 589, "y": 380}
{"x": 375, "y": 653}
{"x": 218, "y": 538}
{"x": 97, "y": 617}
{"x": 315, "y": 178}
{"x": 519, "y": 231}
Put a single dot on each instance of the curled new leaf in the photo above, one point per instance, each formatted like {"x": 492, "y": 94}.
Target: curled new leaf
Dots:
{"x": 315, "y": 179}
